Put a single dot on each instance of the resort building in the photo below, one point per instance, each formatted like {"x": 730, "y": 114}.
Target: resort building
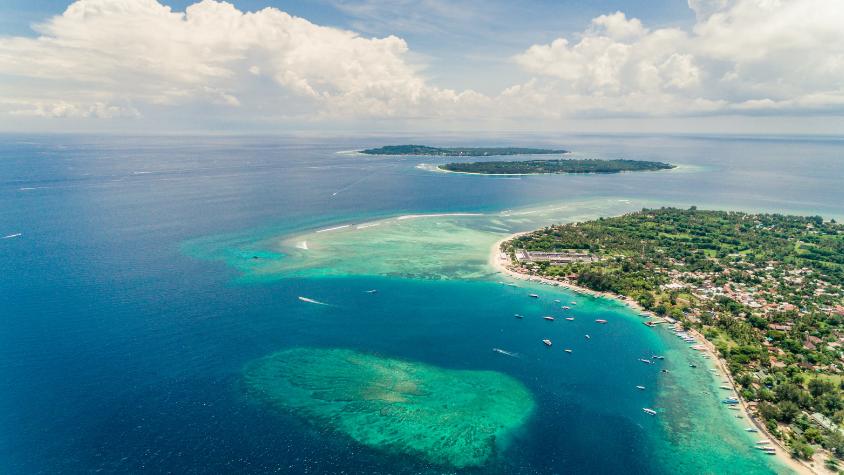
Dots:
{"x": 528, "y": 257}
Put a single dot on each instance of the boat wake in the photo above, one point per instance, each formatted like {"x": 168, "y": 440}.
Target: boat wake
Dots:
{"x": 305, "y": 299}
{"x": 348, "y": 186}
{"x": 515, "y": 355}
{"x": 13, "y": 235}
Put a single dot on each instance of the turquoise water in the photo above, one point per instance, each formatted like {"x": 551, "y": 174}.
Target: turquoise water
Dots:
{"x": 132, "y": 301}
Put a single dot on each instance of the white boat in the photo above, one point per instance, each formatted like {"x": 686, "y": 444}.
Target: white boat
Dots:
{"x": 601, "y": 321}
{"x": 587, "y": 336}
{"x": 568, "y": 351}
{"x": 751, "y": 430}
{"x": 766, "y": 441}
{"x": 640, "y": 387}
{"x": 547, "y": 342}
{"x": 726, "y": 387}
{"x": 649, "y": 411}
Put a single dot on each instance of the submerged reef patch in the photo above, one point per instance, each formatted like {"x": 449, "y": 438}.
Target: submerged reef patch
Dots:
{"x": 446, "y": 417}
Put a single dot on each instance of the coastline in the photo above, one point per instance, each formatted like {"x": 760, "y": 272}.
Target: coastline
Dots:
{"x": 501, "y": 266}
{"x": 782, "y": 453}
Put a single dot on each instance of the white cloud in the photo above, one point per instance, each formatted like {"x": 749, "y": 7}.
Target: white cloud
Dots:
{"x": 140, "y": 50}
{"x": 747, "y": 56}
{"x": 741, "y": 55}
{"x": 63, "y": 109}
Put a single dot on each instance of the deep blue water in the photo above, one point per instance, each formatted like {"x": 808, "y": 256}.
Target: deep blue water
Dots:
{"x": 119, "y": 354}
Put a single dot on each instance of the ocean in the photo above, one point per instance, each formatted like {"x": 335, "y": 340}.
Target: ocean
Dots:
{"x": 132, "y": 298}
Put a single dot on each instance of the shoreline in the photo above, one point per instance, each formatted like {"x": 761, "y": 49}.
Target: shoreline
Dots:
{"x": 782, "y": 453}
{"x": 500, "y": 266}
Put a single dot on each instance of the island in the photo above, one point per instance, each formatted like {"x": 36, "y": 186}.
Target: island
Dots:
{"x": 458, "y": 151}
{"x": 762, "y": 292}
{"x": 451, "y": 418}
{"x": 535, "y": 167}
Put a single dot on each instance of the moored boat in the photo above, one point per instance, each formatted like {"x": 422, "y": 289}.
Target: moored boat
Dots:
{"x": 640, "y": 387}
{"x": 587, "y": 336}
{"x": 570, "y": 319}
{"x": 601, "y": 321}
{"x": 534, "y": 296}
{"x": 568, "y": 351}
{"x": 548, "y": 318}
{"x": 649, "y": 411}
{"x": 547, "y": 342}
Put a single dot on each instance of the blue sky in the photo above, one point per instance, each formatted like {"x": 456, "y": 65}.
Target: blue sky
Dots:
{"x": 464, "y": 64}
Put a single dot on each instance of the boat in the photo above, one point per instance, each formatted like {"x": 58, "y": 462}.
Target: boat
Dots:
{"x": 658, "y": 357}
{"x": 519, "y": 316}
{"x": 768, "y": 447}
{"x": 601, "y": 321}
{"x": 770, "y": 452}
{"x": 549, "y": 318}
{"x": 663, "y": 371}
{"x": 534, "y": 296}
{"x": 640, "y": 387}
{"x": 692, "y": 366}
{"x": 739, "y": 416}
{"x": 645, "y": 361}
{"x": 649, "y": 411}
{"x": 568, "y": 351}
{"x": 729, "y": 401}
{"x": 566, "y": 308}
{"x": 557, "y": 301}
{"x": 547, "y": 342}
{"x": 766, "y": 441}
{"x": 587, "y": 336}
{"x": 751, "y": 430}
{"x": 734, "y": 408}
{"x": 570, "y": 319}
{"x": 644, "y": 314}
{"x": 574, "y": 303}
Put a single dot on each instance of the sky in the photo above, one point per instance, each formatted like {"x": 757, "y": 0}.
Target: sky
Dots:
{"x": 737, "y": 66}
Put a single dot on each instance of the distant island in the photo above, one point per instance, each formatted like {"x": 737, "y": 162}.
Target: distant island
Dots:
{"x": 458, "y": 151}
{"x": 533, "y": 167}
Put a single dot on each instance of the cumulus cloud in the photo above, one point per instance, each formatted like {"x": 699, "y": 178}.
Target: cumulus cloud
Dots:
{"x": 745, "y": 55}
{"x": 100, "y": 56}
{"x": 141, "y": 50}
